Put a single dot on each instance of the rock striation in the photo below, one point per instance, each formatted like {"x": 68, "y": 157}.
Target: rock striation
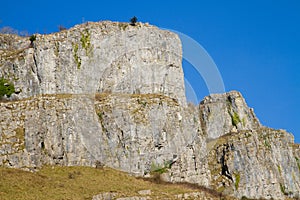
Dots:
{"x": 96, "y": 57}
{"x": 224, "y": 113}
{"x": 112, "y": 94}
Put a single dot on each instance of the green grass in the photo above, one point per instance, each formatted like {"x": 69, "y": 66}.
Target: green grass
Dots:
{"x": 6, "y": 88}
{"x": 282, "y": 188}
{"x": 86, "y": 41}
{"x": 76, "y": 57}
{"x": 160, "y": 169}
{"x": 237, "y": 180}
{"x": 235, "y": 119}
{"x": 79, "y": 183}
{"x": 279, "y": 169}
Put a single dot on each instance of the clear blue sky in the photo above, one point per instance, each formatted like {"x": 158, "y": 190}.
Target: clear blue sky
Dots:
{"x": 255, "y": 44}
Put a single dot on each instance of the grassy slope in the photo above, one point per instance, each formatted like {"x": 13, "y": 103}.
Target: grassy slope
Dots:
{"x": 80, "y": 183}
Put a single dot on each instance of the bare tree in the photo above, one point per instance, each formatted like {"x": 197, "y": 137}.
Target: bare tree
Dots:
{"x": 61, "y": 28}
{"x": 24, "y": 33}
{"x": 8, "y": 30}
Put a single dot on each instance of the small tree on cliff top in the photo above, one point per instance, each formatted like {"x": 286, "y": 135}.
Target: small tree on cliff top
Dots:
{"x": 133, "y": 21}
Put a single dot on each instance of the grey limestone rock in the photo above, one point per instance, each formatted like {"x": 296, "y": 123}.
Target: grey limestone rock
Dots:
{"x": 105, "y": 196}
{"x": 113, "y": 94}
{"x": 255, "y": 163}
{"x": 224, "y": 113}
{"x": 108, "y": 57}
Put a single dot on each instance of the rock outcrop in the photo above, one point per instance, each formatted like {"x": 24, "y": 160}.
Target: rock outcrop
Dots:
{"x": 96, "y": 57}
{"x": 113, "y": 94}
{"x": 224, "y": 113}
{"x": 256, "y": 163}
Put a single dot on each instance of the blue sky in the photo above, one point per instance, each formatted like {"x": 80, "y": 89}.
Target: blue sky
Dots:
{"x": 255, "y": 44}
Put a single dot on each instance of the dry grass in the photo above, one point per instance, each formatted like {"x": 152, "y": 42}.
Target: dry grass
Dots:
{"x": 147, "y": 98}
{"x": 209, "y": 192}
{"x": 78, "y": 183}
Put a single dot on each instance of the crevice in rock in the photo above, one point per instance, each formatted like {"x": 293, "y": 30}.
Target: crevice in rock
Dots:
{"x": 202, "y": 120}
{"x": 193, "y": 156}
{"x": 225, "y": 170}
{"x": 37, "y": 69}
{"x": 158, "y": 146}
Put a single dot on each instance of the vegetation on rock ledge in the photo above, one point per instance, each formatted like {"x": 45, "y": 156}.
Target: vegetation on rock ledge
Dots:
{"x": 76, "y": 57}
{"x": 235, "y": 119}
{"x": 6, "y": 88}
{"x": 86, "y": 42}
{"x": 237, "y": 180}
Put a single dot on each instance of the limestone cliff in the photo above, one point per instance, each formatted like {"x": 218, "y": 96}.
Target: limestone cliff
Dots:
{"x": 111, "y": 93}
{"x": 96, "y": 57}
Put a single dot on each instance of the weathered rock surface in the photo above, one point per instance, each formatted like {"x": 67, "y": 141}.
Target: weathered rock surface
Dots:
{"x": 96, "y": 57}
{"x": 151, "y": 131}
{"x": 48, "y": 130}
{"x": 224, "y": 113}
{"x": 257, "y": 164}
{"x": 201, "y": 195}
{"x": 134, "y": 133}
{"x": 105, "y": 196}
{"x": 113, "y": 94}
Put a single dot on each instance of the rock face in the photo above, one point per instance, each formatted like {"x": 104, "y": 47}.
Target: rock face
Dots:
{"x": 113, "y": 94}
{"x": 256, "y": 164}
{"x": 145, "y": 132}
{"x": 96, "y": 57}
{"x": 45, "y": 130}
{"x": 224, "y": 113}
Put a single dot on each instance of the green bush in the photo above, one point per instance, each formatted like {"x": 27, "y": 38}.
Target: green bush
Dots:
{"x": 160, "y": 169}
{"x": 6, "y": 88}
{"x": 32, "y": 38}
{"x": 133, "y": 21}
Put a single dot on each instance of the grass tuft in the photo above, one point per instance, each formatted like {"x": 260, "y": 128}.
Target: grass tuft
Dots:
{"x": 235, "y": 119}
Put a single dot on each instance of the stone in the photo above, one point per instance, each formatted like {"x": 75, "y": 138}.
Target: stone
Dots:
{"x": 133, "y": 198}
{"x": 144, "y": 192}
{"x": 224, "y": 113}
{"x": 105, "y": 196}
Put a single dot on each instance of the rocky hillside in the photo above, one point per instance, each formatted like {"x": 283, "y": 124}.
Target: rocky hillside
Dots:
{"x": 113, "y": 94}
